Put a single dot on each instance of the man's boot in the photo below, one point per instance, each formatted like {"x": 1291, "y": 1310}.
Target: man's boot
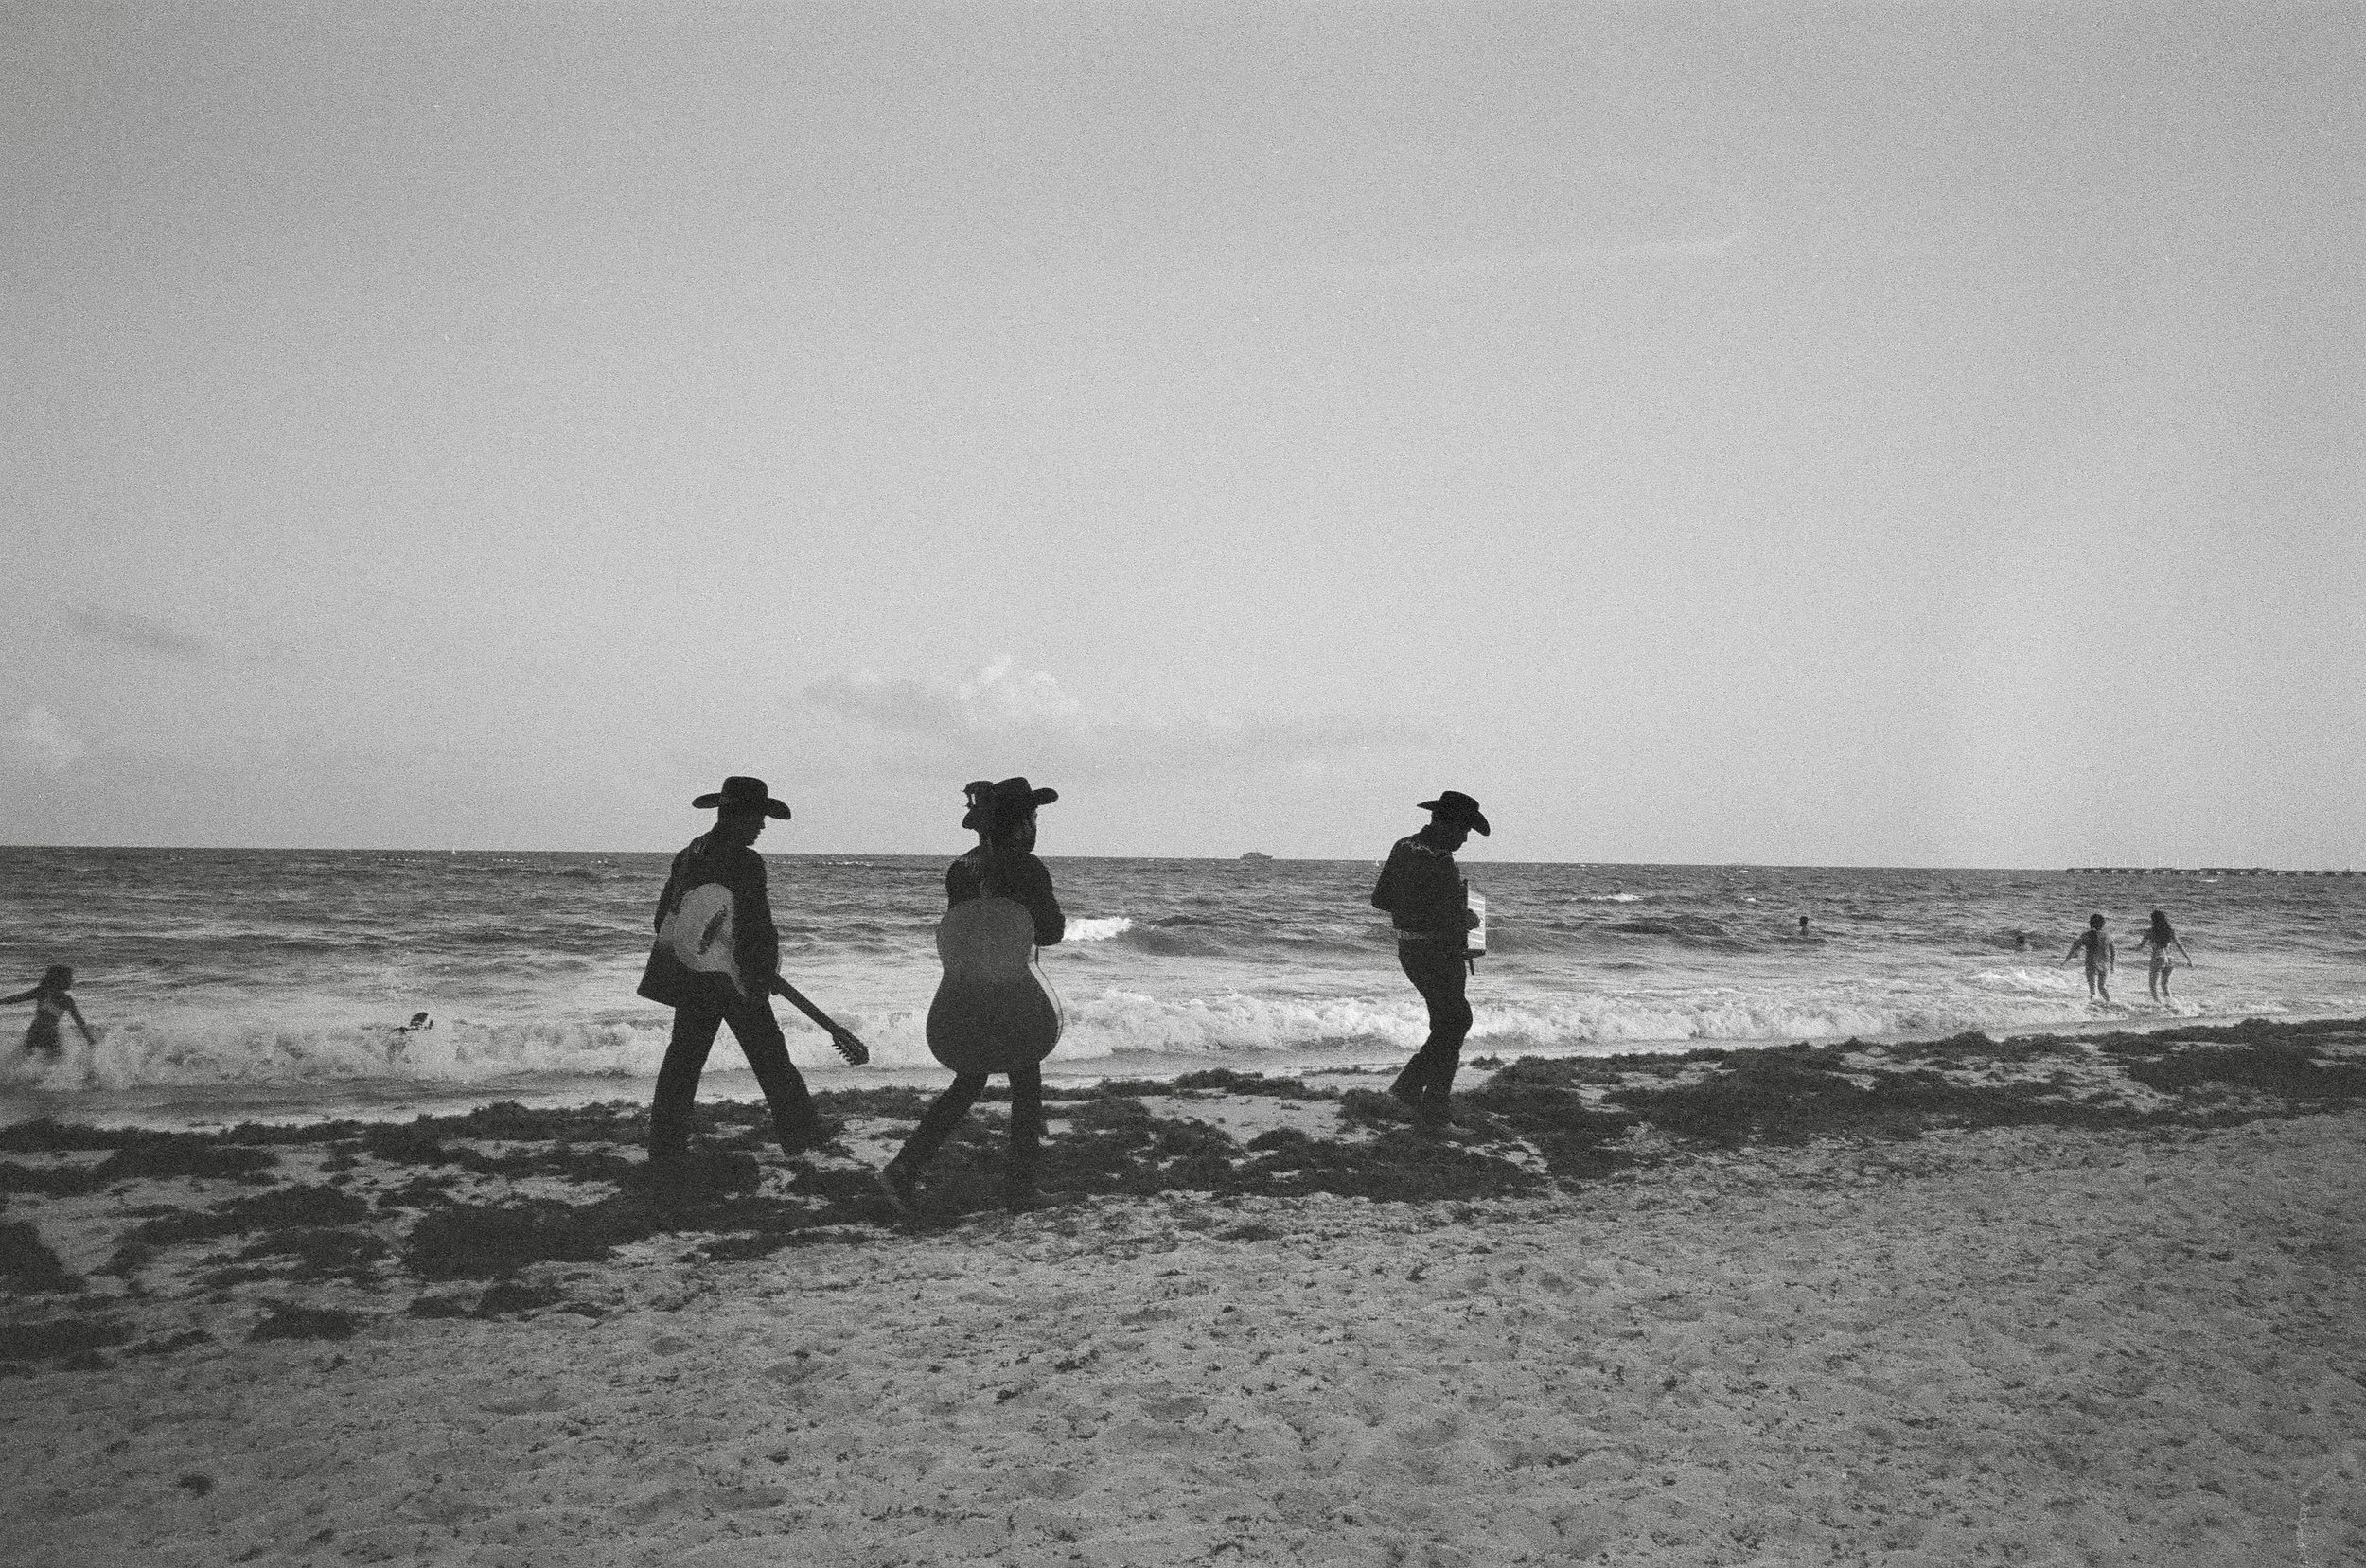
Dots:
{"x": 899, "y": 1184}
{"x": 1409, "y": 1085}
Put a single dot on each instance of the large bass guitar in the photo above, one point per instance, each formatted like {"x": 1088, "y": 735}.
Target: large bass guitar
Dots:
{"x": 993, "y": 1010}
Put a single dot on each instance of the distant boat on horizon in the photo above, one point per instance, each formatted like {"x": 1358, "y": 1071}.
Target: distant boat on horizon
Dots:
{"x": 1255, "y": 854}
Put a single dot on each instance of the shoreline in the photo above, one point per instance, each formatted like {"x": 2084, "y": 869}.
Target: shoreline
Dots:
{"x": 2053, "y": 1297}
{"x": 213, "y": 1108}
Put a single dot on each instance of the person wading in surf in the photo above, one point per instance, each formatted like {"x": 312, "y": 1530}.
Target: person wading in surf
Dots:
{"x": 991, "y": 1014}
{"x": 51, "y": 1002}
{"x": 2102, "y": 958}
{"x": 2160, "y": 937}
{"x": 1426, "y": 897}
{"x": 710, "y": 981}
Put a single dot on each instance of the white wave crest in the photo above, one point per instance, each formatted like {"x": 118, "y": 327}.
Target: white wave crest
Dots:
{"x": 1098, "y": 927}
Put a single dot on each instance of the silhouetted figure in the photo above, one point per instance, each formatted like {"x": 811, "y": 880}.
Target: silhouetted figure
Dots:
{"x": 2159, "y": 938}
{"x": 2020, "y": 941}
{"x": 2101, "y": 958}
{"x": 50, "y": 1003}
{"x": 992, "y": 1012}
{"x": 399, "y": 1050}
{"x": 1427, "y": 897}
{"x": 1803, "y": 925}
{"x": 717, "y": 960}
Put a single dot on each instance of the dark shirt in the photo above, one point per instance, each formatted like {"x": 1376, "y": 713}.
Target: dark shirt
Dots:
{"x": 1014, "y": 874}
{"x": 755, "y": 945}
{"x": 1422, "y": 892}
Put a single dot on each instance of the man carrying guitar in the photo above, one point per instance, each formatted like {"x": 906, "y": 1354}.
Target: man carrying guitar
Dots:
{"x": 717, "y": 960}
{"x": 992, "y": 1013}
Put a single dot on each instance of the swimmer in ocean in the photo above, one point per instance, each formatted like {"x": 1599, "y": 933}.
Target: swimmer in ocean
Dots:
{"x": 2102, "y": 958}
{"x": 2159, "y": 938}
{"x": 50, "y": 1003}
{"x": 404, "y": 1032}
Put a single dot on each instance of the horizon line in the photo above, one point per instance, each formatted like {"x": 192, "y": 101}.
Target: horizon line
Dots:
{"x": 1234, "y": 859}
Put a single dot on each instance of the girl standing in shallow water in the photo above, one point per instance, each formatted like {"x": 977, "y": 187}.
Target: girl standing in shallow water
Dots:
{"x": 2159, "y": 938}
{"x": 51, "y": 1002}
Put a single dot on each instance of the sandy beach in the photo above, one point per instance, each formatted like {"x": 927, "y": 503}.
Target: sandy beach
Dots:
{"x": 2053, "y": 1300}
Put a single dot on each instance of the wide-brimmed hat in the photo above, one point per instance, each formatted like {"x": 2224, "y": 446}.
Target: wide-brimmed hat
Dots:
{"x": 1457, "y": 807}
{"x": 1006, "y": 798}
{"x": 740, "y": 793}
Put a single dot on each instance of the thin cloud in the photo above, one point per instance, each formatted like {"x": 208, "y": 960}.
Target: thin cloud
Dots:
{"x": 35, "y": 739}
{"x": 1007, "y": 712}
{"x": 142, "y": 634}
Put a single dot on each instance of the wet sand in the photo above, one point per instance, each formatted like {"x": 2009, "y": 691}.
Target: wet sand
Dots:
{"x": 2051, "y": 1301}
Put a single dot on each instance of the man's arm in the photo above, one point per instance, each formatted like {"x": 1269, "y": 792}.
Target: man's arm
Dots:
{"x": 665, "y": 900}
{"x": 1043, "y": 904}
{"x": 758, "y": 941}
{"x": 21, "y": 996}
{"x": 87, "y": 1036}
{"x": 1384, "y": 890}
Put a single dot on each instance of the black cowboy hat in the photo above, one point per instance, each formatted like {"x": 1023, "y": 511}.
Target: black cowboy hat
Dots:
{"x": 740, "y": 793}
{"x": 1457, "y": 807}
{"x": 1014, "y": 796}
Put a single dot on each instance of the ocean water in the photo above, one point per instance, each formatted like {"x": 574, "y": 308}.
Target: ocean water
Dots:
{"x": 228, "y": 984}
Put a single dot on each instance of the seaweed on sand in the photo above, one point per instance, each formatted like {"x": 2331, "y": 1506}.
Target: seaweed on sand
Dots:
{"x": 418, "y": 1143}
{"x": 60, "y": 1338}
{"x": 481, "y": 1240}
{"x": 2285, "y": 1069}
{"x": 28, "y": 1266}
{"x": 1787, "y": 1098}
{"x": 1396, "y": 1167}
{"x": 322, "y": 1253}
{"x": 289, "y": 1321}
{"x": 1539, "y": 1102}
{"x": 290, "y": 1208}
{"x": 155, "y": 1154}
{"x": 56, "y": 1181}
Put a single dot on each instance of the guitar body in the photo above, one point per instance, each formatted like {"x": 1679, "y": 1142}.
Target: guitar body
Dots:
{"x": 993, "y": 1010}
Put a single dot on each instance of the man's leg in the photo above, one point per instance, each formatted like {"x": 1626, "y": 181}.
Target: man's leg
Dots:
{"x": 1411, "y": 1081}
{"x": 1450, "y": 1023}
{"x": 678, "y": 1080}
{"x": 1018, "y": 1179}
{"x": 938, "y": 1123}
{"x": 1438, "y": 973}
{"x": 759, "y": 1036}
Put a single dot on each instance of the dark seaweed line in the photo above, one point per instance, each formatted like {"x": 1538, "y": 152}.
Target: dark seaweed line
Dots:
{"x": 1575, "y": 1117}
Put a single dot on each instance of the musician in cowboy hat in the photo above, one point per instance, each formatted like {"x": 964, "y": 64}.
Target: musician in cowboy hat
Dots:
{"x": 1430, "y": 905}
{"x": 709, "y": 984}
{"x": 1003, "y": 865}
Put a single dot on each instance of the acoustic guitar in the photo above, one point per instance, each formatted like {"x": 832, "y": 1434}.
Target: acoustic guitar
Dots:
{"x": 993, "y": 1010}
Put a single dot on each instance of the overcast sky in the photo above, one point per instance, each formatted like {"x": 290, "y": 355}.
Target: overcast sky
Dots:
{"x": 1892, "y": 434}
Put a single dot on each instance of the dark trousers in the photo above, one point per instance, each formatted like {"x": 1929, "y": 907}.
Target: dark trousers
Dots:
{"x": 1437, "y": 972}
{"x": 954, "y": 1104}
{"x": 759, "y": 1036}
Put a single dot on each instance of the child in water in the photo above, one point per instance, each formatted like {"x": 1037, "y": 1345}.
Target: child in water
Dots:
{"x": 2159, "y": 938}
{"x": 50, "y": 1002}
{"x": 2101, "y": 958}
